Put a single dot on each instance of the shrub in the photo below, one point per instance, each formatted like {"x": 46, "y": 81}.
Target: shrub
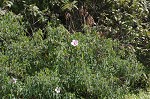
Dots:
{"x": 47, "y": 68}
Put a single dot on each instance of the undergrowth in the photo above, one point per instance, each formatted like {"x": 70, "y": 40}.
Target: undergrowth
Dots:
{"x": 93, "y": 67}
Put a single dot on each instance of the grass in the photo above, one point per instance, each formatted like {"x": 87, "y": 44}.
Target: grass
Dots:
{"x": 141, "y": 95}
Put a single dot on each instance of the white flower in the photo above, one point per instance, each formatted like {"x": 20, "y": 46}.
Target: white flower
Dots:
{"x": 74, "y": 42}
{"x": 14, "y": 80}
{"x": 57, "y": 90}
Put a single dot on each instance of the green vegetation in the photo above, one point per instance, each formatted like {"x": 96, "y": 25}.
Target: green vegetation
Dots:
{"x": 141, "y": 95}
{"x": 50, "y": 50}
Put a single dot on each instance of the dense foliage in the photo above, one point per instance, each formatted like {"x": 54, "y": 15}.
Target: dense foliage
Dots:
{"x": 126, "y": 20}
{"x": 49, "y": 51}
